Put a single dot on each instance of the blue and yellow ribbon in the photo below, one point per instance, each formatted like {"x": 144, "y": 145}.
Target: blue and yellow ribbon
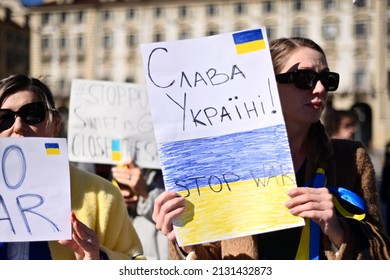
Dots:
{"x": 309, "y": 244}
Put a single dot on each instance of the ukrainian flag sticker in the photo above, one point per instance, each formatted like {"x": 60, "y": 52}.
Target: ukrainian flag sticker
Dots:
{"x": 249, "y": 41}
{"x": 116, "y": 150}
{"x": 52, "y": 148}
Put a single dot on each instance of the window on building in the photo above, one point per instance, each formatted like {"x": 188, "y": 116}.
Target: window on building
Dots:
{"x": 329, "y": 31}
{"x": 63, "y": 17}
{"x": 158, "y": 37}
{"x": 360, "y": 80}
{"x": 106, "y": 15}
{"x": 131, "y": 40}
{"x": 271, "y": 33}
{"x": 45, "y": 19}
{"x": 107, "y": 41}
{"x": 80, "y": 17}
{"x": 360, "y": 3}
{"x": 45, "y": 44}
{"x": 361, "y": 30}
{"x": 183, "y": 12}
{"x": 130, "y": 14}
{"x": 329, "y": 4}
{"x": 299, "y": 31}
{"x": 184, "y": 34}
{"x": 388, "y": 82}
{"x": 298, "y": 5}
{"x": 61, "y": 84}
{"x": 63, "y": 43}
{"x": 80, "y": 42}
{"x": 388, "y": 27}
{"x": 211, "y": 10}
{"x": 268, "y": 6}
{"x": 10, "y": 37}
{"x": 239, "y": 8}
{"x": 158, "y": 12}
{"x": 212, "y": 31}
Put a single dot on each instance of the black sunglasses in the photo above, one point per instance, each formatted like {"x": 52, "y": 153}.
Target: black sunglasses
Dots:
{"x": 31, "y": 113}
{"x": 307, "y": 79}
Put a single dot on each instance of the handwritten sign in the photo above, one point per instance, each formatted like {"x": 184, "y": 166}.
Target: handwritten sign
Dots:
{"x": 110, "y": 122}
{"x": 34, "y": 189}
{"x": 221, "y": 134}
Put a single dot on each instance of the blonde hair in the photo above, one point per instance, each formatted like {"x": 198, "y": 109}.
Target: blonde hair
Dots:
{"x": 282, "y": 48}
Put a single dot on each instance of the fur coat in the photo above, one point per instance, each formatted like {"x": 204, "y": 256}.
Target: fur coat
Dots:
{"x": 348, "y": 166}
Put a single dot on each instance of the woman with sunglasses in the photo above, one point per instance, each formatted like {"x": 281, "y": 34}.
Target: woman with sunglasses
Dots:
{"x": 101, "y": 226}
{"x": 304, "y": 79}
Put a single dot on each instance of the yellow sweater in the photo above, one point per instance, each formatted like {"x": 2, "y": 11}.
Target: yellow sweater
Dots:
{"x": 100, "y": 206}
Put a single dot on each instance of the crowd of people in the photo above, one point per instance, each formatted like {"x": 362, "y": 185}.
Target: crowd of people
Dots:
{"x": 130, "y": 215}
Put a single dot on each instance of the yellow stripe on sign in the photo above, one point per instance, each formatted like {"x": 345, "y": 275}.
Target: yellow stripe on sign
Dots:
{"x": 250, "y": 46}
{"x": 52, "y": 151}
{"x": 116, "y": 156}
{"x": 245, "y": 209}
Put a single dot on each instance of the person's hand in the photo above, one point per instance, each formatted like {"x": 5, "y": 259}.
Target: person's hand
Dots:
{"x": 317, "y": 205}
{"x": 84, "y": 242}
{"x": 130, "y": 175}
{"x": 130, "y": 198}
{"x": 167, "y": 206}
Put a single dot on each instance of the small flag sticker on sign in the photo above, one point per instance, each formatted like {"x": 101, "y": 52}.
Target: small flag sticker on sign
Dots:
{"x": 249, "y": 41}
{"x": 116, "y": 150}
{"x": 52, "y": 148}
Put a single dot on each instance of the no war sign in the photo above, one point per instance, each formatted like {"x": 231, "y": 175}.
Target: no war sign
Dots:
{"x": 34, "y": 189}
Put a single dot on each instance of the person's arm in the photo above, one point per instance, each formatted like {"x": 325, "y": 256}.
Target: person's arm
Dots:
{"x": 119, "y": 240}
{"x": 145, "y": 207}
{"x": 100, "y": 206}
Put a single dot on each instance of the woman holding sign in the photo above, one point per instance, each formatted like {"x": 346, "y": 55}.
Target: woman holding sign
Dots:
{"x": 101, "y": 226}
{"x": 336, "y": 196}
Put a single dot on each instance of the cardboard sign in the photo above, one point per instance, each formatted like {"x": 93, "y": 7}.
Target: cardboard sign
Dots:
{"x": 34, "y": 189}
{"x": 110, "y": 122}
{"x": 221, "y": 134}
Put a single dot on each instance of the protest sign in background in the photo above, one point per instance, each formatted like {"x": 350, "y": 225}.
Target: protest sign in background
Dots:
{"x": 34, "y": 189}
{"x": 110, "y": 122}
{"x": 221, "y": 134}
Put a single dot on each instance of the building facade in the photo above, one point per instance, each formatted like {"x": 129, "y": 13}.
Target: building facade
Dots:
{"x": 99, "y": 39}
{"x": 14, "y": 38}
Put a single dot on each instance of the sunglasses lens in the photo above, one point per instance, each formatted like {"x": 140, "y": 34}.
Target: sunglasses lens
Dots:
{"x": 331, "y": 81}
{"x": 305, "y": 79}
{"x": 32, "y": 113}
{"x": 7, "y": 119}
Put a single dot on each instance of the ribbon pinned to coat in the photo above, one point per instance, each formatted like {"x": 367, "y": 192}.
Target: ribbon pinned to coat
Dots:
{"x": 309, "y": 244}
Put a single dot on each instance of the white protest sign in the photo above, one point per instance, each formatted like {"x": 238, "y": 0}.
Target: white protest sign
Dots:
{"x": 110, "y": 122}
{"x": 34, "y": 189}
{"x": 221, "y": 134}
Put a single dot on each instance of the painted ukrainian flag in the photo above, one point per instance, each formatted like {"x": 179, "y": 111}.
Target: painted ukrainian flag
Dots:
{"x": 116, "y": 149}
{"x": 249, "y": 41}
{"x": 52, "y": 148}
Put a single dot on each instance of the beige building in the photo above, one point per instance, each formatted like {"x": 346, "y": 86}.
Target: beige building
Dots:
{"x": 99, "y": 39}
{"x": 14, "y": 39}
